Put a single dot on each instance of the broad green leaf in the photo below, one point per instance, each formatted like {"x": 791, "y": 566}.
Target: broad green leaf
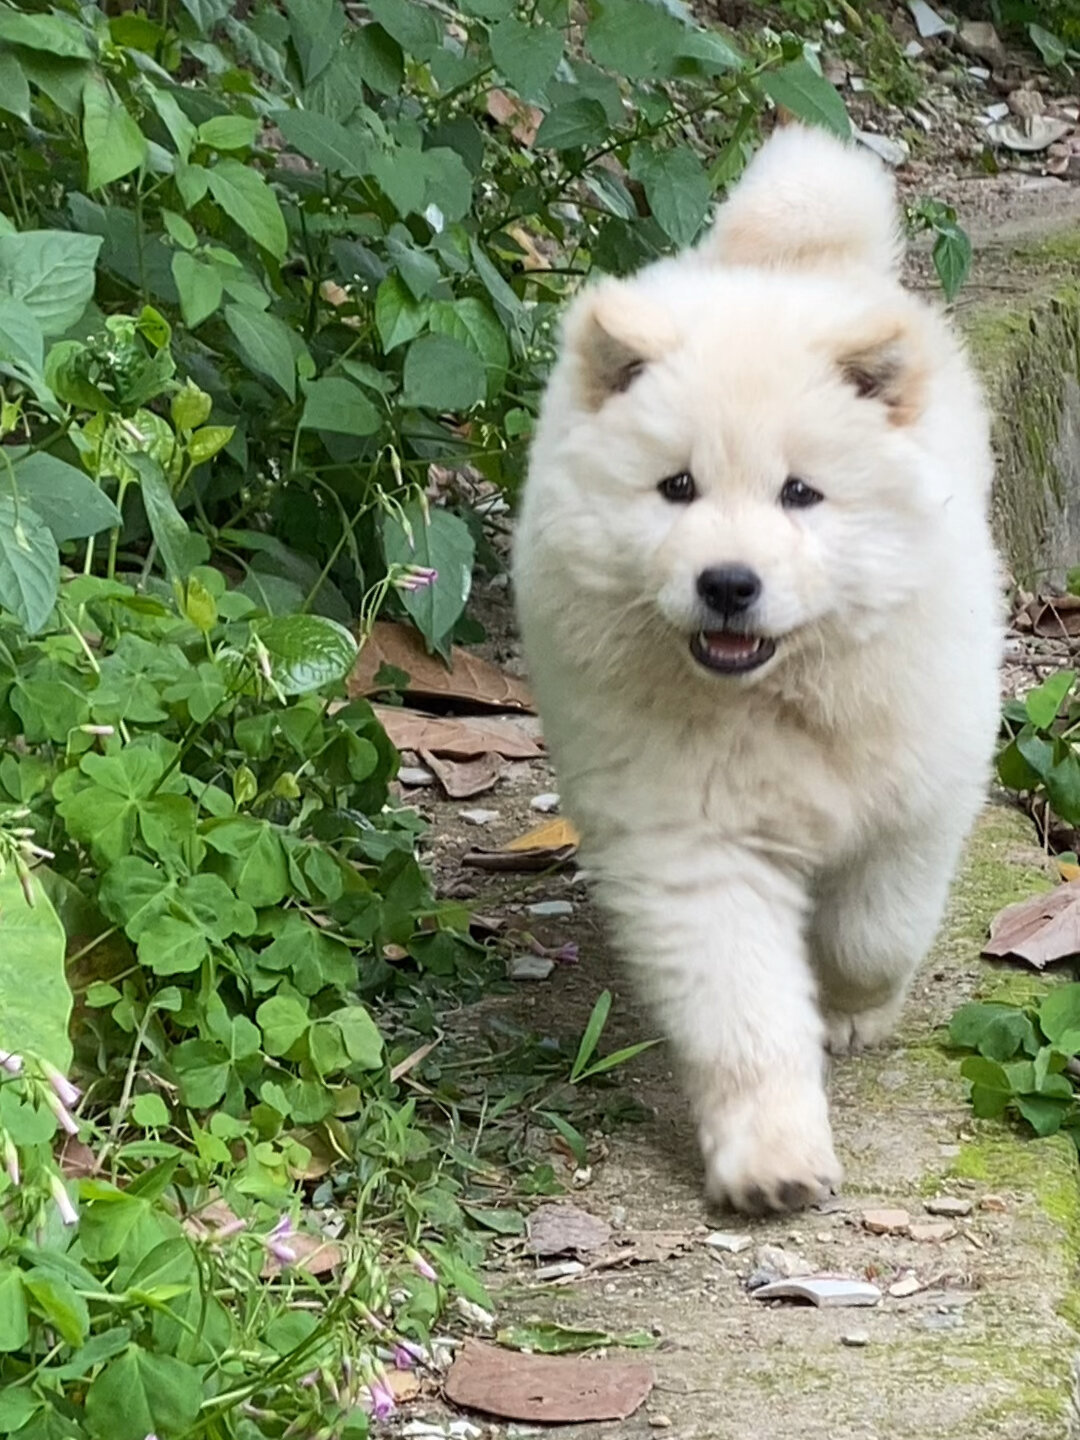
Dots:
{"x": 259, "y": 873}
{"x": 59, "y": 1305}
{"x": 175, "y": 120}
{"x": 1043, "y": 703}
{"x": 14, "y": 87}
{"x": 443, "y": 374}
{"x": 316, "y": 27}
{"x": 360, "y": 1035}
{"x": 180, "y": 230}
{"x": 952, "y": 258}
{"x": 635, "y": 38}
{"x": 445, "y": 543}
{"x": 51, "y": 272}
{"x": 997, "y": 1032}
{"x": 199, "y": 286}
{"x": 265, "y": 344}
{"x": 150, "y": 1110}
{"x": 807, "y": 95}
{"x": 114, "y": 143}
{"x": 208, "y": 442}
{"x": 476, "y": 325}
{"x": 1044, "y": 1114}
{"x": 711, "y": 50}
{"x": 245, "y": 197}
{"x": 1062, "y": 783}
{"x": 29, "y": 564}
{"x": 35, "y": 1001}
{"x": 56, "y": 35}
{"x": 1053, "y": 51}
{"x": 677, "y": 189}
{"x": 141, "y": 1394}
{"x": 526, "y": 54}
{"x": 68, "y": 501}
{"x": 180, "y": 548}
{"x": 229, "y": 132}
{"x": 378, "y": 58}
{"x": 22, "y": 345}
{"x": 308, "y": 652}
{"x": 324, "y": 140}
{"x": 413, "y": 26}
{"x": 172, "y": 946}
{"x": 1060, "y": 1012}
{"x": 991, "y": 1088}
{"x": 14, "y": 1319}
{"x": 398, "y": 316}
{"x": 282, "y": 1020}
{"x": 577, "y": 122}
{"x": 338, "y": 405}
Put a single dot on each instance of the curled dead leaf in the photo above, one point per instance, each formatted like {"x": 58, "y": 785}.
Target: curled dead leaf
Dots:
{"x": 468, "y": 678}
{"x": 461, "y": 779}
{"x": 1040, "y": 930}
{"x": 458, "y": 739}
{"x": 550, "y": 845}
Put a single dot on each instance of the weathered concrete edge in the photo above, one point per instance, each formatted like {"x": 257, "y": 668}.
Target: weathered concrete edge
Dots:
{"x": 1028, "y": 351}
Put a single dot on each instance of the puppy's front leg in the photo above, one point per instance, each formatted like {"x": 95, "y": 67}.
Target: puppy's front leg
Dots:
{"x": 717, "y": 940}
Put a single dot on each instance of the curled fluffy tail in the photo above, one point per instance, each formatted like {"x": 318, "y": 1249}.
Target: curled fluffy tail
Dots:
{"x": 809, "y": 201}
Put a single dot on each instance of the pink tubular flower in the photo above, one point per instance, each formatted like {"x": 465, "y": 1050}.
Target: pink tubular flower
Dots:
{"x": 63, "y": 1115}
{"x": 11, "y": 1160}
{"x": 421, "y": 1266}
{"x": 68, "y": 1213}
{"x": 67, "y": 1092}
{"x": 101, "y": 730}
{"x": 233, "y": 1227}
{"x": 13, "y": 1064}
{"x": 416, "y": 577}
{"x": 407, "y": 1354}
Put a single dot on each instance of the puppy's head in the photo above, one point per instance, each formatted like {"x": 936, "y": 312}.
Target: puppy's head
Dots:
{"x": 740, "y": 459}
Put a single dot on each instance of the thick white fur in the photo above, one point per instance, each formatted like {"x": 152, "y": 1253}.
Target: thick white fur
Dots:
{"x": 774, "y": 850}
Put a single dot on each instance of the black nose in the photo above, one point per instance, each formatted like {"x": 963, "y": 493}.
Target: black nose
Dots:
{"x": 729, "y": 589}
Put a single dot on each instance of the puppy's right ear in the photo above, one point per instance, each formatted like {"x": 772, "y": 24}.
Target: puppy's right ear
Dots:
{"x": 612, "y": 332}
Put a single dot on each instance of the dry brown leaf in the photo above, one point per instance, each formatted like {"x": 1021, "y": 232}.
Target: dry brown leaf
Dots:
{"x": 648, "y": 1247}
{"x": 403, "y": 1384}
{"x": 566, "y": 1230}
{"x": 552, "y": 1389}
{"x": 470, "y": 679}
{"x": 461, "y": 739}
{"x": 552, "y": 835}
{"x": 1040, "y": 930}
{"x": 464, "y": 778}
{"x": 1055, "y": 616}
{"x": 412, "y": 1060}
{"x": 76, "y": 1160}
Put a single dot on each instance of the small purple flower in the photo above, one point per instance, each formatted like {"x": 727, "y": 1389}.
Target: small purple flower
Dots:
{"x": 566, "y": 954}
{"x": 282, "y": 1253}
{"x": 407, "y": 1354}
{"x": 421, "y": 1266}
{"x": 66, "y": 1091}
{"x": 11, "y": 1160}
{"x": 68, "y": 1214}
{"x": 233, "y": 1227}
{"x": 383, "y": 1403}
{"x": 13, "y": 1064}
{"x": 60, "y": 1110}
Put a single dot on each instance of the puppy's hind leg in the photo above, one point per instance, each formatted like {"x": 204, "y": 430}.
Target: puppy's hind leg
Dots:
{"x": 717, "y": 939}
{"x": 872, "y": 923}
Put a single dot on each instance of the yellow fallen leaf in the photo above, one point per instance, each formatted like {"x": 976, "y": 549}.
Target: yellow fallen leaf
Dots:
{"x": 1068, "y": 870}
{"x": 552, "y": 835}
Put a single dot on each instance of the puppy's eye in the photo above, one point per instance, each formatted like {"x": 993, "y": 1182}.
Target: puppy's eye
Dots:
{"x": 797, "y": 495}
{"x": 679, "y": 489}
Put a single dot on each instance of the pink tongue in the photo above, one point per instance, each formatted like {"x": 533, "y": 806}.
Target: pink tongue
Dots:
{"x": 729, "y": 646}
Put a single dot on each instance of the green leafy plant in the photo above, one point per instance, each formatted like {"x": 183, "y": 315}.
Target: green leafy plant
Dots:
{"x": 1040, "y": 756}
{"x": 1024, "y": 1062}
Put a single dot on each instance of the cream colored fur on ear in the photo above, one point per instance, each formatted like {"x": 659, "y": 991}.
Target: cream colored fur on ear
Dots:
{"x": 887, "y": 359}
{"x": 613, "y": 331}
{"x": 809, "y": 201}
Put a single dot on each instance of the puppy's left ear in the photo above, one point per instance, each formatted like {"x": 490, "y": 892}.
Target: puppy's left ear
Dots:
{"x": 885, "y": 361}
{"x": 613, "y": 332}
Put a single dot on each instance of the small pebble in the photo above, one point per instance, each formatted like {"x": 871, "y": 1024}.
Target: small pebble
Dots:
{"x": 781, "y": 1264}
{"x": 560, "y": 1270}
{"x": 886, "y": 1222}
{"x": 732, "y": 1244}
{"x": 415, "y": 775}
{"x": 855, "y": 1339}
{"x": 551, "y": 908}
{"x": 660, "y": 1422}
{"x": 530, "y": 967}
{"x": 478, "y": 817}
{"x": 993, "y": 1202}
{"x": 950, "y": 1205}
{"x": 908, "y": 1285}
{"x": 545, "y": 803}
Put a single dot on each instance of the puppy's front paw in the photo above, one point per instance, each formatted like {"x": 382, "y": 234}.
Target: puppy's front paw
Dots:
{"x": 849, "y": 1033}
{"x": 769, "y": 1152}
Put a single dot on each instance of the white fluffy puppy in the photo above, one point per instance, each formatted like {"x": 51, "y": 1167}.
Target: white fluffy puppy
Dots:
{"x": 759, "y": 601}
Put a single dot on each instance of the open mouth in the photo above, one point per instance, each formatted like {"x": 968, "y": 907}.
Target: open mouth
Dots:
{"x": 730, "y": 653}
